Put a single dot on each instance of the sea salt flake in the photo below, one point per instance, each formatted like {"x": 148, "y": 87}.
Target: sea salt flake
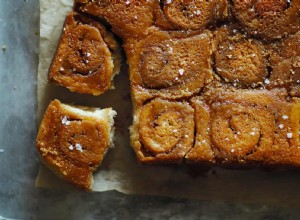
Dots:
{"x": 267, "y": 81}
{"x": 232, "y": 150}
{"x": 65, "y": 121}
{"x": 181, "y": 72}
{"x": 78, "y": 147}
{"x": 88, "y": 54}
{"x": 289, "y": 135}
{"x": 281, "y": 126}
{"x": 61, "y": 69}
{"x": 285, "y": 117}
{"x": 71, "y": 147}
{"x": 252, "y": 133}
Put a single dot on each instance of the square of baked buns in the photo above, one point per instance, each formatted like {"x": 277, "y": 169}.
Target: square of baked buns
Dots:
{"x": 73, "y": 140}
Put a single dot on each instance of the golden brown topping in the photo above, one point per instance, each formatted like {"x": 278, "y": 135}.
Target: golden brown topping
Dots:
{"x": 202, "y": 152}
{"x": 129, "y": 18}
{"x": 295, "y": 124}
{"x": 270, "y": 6}
{"x": 83, "y": 62}
{"x": 241, "y": 61}
{"x": 72, "y": 142}
{"x": 240, "y": 130}
{"x": 194, "y": 14}
{"x": 239, "y": 127}
{"x": 285, "y": 61}
{"x": 165, "y": 129}
{"x": 171, "y": 67}
{"x": 270, "y": 19}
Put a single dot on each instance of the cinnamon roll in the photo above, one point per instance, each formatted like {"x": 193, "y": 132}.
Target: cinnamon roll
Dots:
{"x": 129, "y": 18}
{"x": 241, "y": 127}
{"x": 269, "y": 19}
{"x": 163, "y": 131}
{"x": 190, "y": 14}
{"x": 72, "y": 141}
{"x": 285, "y": 61}
{"x": 169, "y": 67}
{"x": 87, "y": 57}
{"x": 240, "y": 60}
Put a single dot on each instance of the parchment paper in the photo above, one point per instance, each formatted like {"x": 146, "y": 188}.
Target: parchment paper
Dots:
{"x": 120, "y": 171}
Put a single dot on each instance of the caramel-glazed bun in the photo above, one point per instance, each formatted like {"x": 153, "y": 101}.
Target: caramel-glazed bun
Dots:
{"x": 163, "y": 131}
{"x": 72, "y": 141}
{"x": 248, "y": 127}
{"x": 190, "y": 14}
{"x": 240, "y": 59}
{"x": 87, "y": 56}
{"x": 129, "y": 18}
{"x": 165, "y": 66}
{"x": 285, "y": 61}
{"x": 269, "y": 19}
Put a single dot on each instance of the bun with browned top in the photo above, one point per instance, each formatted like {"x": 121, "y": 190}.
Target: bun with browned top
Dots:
{"x": 73, "y": 140}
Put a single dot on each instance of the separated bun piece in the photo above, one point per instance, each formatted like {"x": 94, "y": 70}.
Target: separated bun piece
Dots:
{"x": 169, "y": 67}
{"x": 192, "y": 14}
{"x": 128, "y": 18}
{"x": 72, "y": 141}
{"x": 239, "y": 59}
{"x": 285, "y": 61}
{"x": 240, "y": 127}
{"x": 163, "y": 131}
{"x": 269, "y": 19}
{"x": 87, "y": 57}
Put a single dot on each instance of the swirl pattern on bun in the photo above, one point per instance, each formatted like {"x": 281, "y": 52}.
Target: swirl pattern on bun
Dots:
{"x": 129, "y": 18}
{"x": 191, "y": 14}
{"x": 163, "y": 131}
{"x": 87, "y": 56}
{"x": 269, "y": 19}
{"x": 169, "y": 67}
{"x": 285, "y": 61}
{"x": 239, "y": 128}
{"x": 72, "y": 141}
{"x": 239, "y": 59}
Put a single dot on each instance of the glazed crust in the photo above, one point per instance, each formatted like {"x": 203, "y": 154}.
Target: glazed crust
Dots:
{"x": 161, "y": 65}
{"x": 269, "y": 19}
{"x": 87, "y": 57}
{"x": 212, "y": 82}
{"x": 245, "y": 128}
{"x": 73, "y": 144}
{"x": 163, "y": 131}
